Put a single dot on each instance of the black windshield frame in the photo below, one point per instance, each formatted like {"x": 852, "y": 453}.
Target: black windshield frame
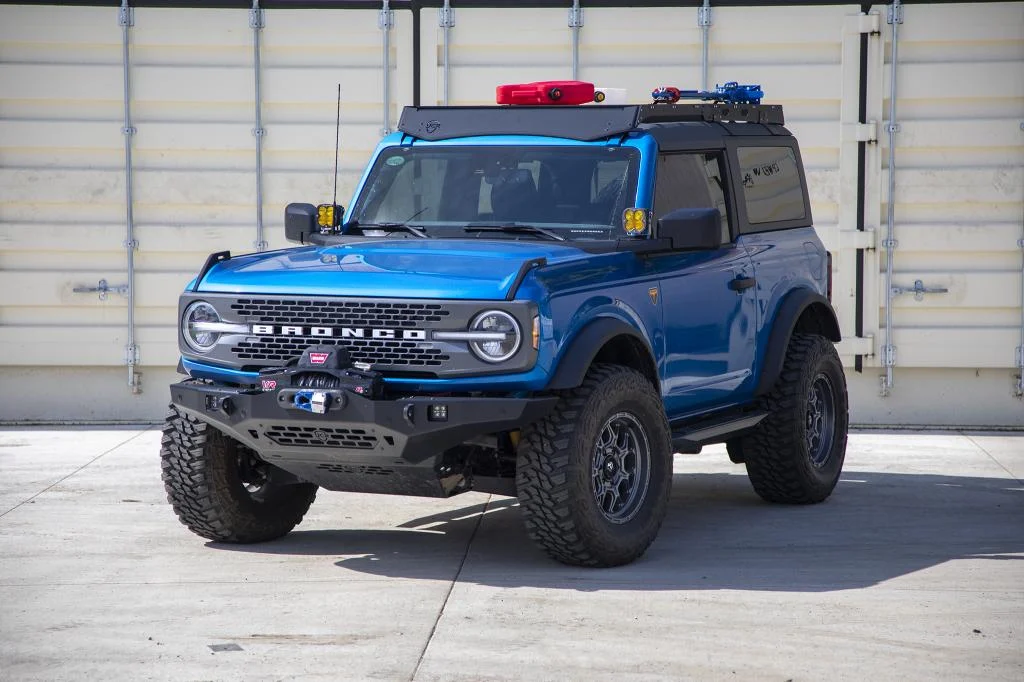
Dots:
{"x": 578, "y": 191}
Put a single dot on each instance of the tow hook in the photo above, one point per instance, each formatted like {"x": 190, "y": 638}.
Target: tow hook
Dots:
{"x": 317, "y": 402}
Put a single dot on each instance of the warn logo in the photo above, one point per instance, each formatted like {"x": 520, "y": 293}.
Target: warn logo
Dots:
{"x": 340, "y": 332}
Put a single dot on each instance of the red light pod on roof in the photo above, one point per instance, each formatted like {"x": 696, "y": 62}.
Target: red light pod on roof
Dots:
{"x": 546, "y": 92}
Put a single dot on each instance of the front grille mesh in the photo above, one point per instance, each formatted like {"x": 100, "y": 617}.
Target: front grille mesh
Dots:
{"x": 353, "y": 439}
{"x": 395, "y": 315}
{"x": 376, "y": 351}
{"x": 393, "y": 353}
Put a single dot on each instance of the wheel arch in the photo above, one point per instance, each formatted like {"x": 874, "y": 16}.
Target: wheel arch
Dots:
{"x": 801, "y": 311}
{"x": 606, "y": 340}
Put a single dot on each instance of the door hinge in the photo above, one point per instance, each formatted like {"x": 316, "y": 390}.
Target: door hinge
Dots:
{"x": 856, "y": 345}
{"x": 861, "y": 132}
{"x": 857, "y": 239}
{"x": 103, "y": 289}
{"x": 870, "y": 23}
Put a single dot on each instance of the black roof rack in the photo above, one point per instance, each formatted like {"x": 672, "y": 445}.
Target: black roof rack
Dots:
{"x": 576, "y": 123}
{"x": 585, "y": 123}
{"x": 711, "y": 111}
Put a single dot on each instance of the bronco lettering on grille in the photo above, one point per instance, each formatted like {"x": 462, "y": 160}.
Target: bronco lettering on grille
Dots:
{"x": 340, "y": 332}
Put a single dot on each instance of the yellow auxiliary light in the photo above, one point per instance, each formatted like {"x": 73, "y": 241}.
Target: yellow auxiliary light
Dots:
{"x": 634, "y": 221}
{"x": 327, "y": 216}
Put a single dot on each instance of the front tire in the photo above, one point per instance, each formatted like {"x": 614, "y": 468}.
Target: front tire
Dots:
{"x": 796, "y": 454}
{"x": 221, "y": 491}
{"x": 594, "y": 477}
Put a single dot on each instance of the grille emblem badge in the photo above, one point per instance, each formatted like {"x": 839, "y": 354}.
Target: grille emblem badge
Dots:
{"x": 321, "y": 436}
{"x": 340, "y": 332}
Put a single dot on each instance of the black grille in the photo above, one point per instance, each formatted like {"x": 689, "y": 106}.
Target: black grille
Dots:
{"x": 394, "y": 315}
{"x": 389, "y": 352}
{"x": 353, "y": 439}
{"x": 394, "y": 353}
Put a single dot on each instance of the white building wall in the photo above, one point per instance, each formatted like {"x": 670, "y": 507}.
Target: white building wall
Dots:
{"x": 959, "y": 168}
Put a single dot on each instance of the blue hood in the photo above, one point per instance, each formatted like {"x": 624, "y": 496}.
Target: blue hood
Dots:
{"x": 400, "y": 268}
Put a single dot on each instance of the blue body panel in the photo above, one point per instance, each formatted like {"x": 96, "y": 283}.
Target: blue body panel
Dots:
{"x": 471, "y": 269}
{"x": 785, "y": 260}
{"x": 708, "y": 340}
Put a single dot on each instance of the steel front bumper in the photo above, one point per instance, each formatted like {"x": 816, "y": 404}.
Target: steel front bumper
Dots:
{"x": 358, "y": 443}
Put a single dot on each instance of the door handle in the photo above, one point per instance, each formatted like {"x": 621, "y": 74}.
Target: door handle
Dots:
{"x": 741, "y": 283}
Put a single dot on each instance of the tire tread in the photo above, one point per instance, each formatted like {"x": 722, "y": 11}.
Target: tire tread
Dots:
{"x": 193, "y": 457}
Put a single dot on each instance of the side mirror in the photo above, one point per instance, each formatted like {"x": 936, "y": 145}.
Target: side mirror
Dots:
{"x": 299, "y": 222}
{"x": 690, "y": 229}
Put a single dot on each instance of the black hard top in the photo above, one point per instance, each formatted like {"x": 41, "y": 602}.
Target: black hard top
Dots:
{"x": 674, "y": 126}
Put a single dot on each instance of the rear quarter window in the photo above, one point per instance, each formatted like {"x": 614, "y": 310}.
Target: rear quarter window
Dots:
{"x": 771, "y": 184}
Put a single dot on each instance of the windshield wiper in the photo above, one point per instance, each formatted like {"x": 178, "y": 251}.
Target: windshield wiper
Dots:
{"x": 515, "y": 228}
{"x": 404, "y": 225}
{"x": 418, "y": 231}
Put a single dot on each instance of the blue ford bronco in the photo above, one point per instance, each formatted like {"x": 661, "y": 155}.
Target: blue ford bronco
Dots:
{"x": 537, "y": 301}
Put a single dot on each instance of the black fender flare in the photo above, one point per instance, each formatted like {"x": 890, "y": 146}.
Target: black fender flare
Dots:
{"x": 786, "y": 316}
{"x": 584, "y": 347}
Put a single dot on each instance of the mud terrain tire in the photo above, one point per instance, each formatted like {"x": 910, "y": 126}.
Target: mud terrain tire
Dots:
{"x": 221, "y": 491}
{"x": 795, "y": 455}
{"x": 594, "y": 477}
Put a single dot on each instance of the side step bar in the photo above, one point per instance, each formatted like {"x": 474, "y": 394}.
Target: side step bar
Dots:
{"x": 691, "y": 438}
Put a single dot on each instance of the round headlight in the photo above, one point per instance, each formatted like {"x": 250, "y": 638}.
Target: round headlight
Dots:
{"x": 504, "y": 336}
{"x": 198, "y": 338}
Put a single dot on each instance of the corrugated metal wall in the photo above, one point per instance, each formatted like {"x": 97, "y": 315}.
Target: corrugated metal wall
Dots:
{"x": 959, "y": 159}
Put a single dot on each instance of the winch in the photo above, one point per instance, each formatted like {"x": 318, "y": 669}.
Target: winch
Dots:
{"x": 320, "y": 379}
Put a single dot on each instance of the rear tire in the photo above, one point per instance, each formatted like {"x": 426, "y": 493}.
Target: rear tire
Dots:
{"x": 594, "y": 477}
{"x": 221, "y": 490}
{"x": 795, "y": 455}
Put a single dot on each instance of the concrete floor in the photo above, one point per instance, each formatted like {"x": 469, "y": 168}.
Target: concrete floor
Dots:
{"x": 914, "y": 570}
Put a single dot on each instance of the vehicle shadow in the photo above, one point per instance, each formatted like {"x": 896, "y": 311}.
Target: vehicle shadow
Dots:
{"x": 718, "y": 535}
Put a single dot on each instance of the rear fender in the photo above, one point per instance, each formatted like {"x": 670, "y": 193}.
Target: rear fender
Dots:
{"x": 820, "y": 318}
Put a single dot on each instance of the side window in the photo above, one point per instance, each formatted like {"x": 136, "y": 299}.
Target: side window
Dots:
{"x": 690, "y": 181}
{"x": 771, "y": 184}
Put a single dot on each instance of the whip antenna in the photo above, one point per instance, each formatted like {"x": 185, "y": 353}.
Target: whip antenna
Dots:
{"x": 337, "y": 147}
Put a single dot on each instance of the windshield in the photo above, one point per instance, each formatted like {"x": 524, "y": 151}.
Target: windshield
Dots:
{"x": 574, "y": 192}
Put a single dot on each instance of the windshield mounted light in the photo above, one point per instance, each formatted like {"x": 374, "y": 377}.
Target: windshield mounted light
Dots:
{"x": 496, "y": 323}
{"x": 635, "y": 221}
{"x": 328, "y": 217}
{"x": 197, "y": 326}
